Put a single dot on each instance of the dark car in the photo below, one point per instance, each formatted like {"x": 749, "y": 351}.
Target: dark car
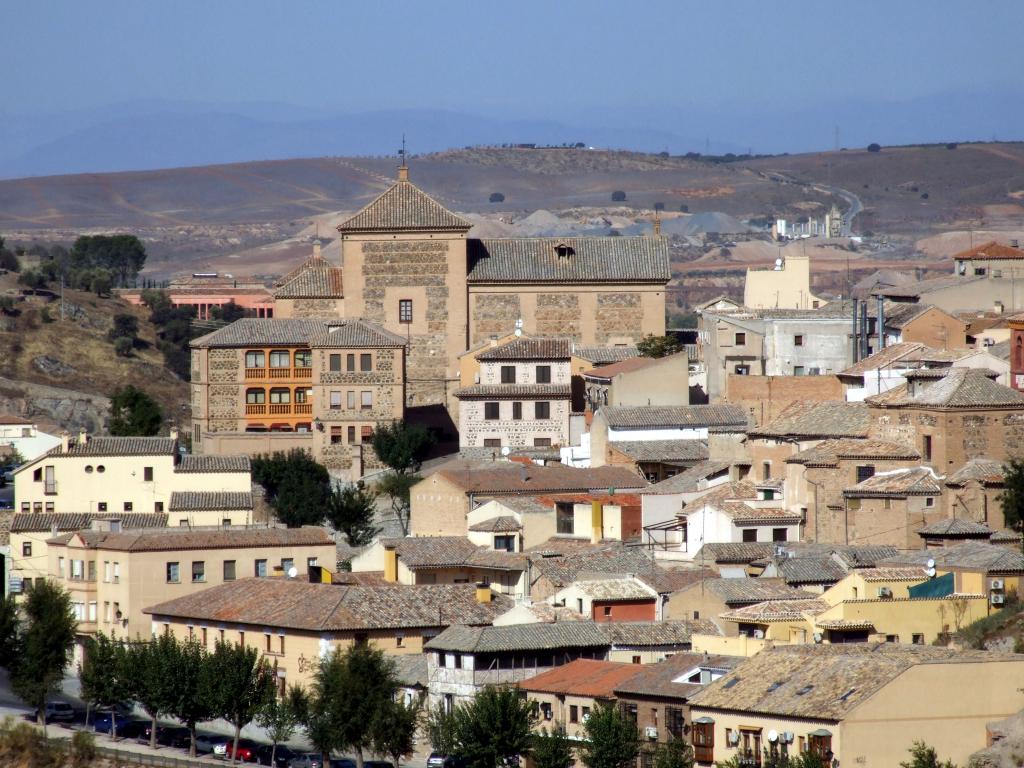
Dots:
{"x": 132, "y": 729}
{"x": 167, "y": 735}
{"x": 343, "y": 762}
{"x": 306, "y": 760}
{"x": 246, "y": 750}
{"x": 103, "y": 721}
{"x": 282, "y": 756}
{"x": 57, "y": 712}
{"x": 377, "y": 764}
{"x": 211, "y": 744}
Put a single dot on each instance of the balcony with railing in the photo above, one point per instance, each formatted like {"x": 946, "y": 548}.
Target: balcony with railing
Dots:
{"x": 279, "y": 373}
{"x": 50, "y": 488}
{"x": 302, "y": 409}
{"x": 279, "y": 409}
{"x": 255, "y": 409}
{"x": 255, "y": 373}
{"x": 303, "y": 373}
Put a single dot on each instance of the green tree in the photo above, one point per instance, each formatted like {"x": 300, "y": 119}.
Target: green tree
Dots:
{"x": 1012, "y": 497}
{"x": 495, "y": 728}
{"x": 398, "y": 488}
{"x": 394, "y": 729}
{"x": 658, "y": 346}
{"x": 241, "y": 684}
{"x": 553, "y": 749}
{"x": 100, "y": 283}
{"x": 125, "y": 325}
{"x": 874, "y": 147}
{"x": 151, "y": 674}
{"x": 43, "y": 645}
{"x": 32, "y": 278}
{"x": 319, "y": 713}
{"x": 8, "y": 259}
{"x": 192, "y": 701}
{"x": 123, "y": 346}
{"x": 402, "y": 446}
{"x": 440, "y": 728}
{"x": 298, "y": 488}
{"x": 351, "y": 510}
{"x": 103, "y": 675}
{"x": 923, "y": 756}
{"x": 674, "y": 753}
{"x": 134, "y": 413}
{"x": 612, "y": 740}
{"x": 280, "y": 717}
{"x": 123, "y": 256}
{"x": 228, "y": 312}
{"x": 8, "y": 631}
{"x": 368, "y": 686}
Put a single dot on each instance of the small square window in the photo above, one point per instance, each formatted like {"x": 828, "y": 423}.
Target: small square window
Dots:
{"x": 158, "y": 506}
{"x": 26, "y": 549}
{"x": 198, "y": 571}
{"x": 128, "y": 506}
{"x": 798, "y": 340}
{"x": 741, "y": 339}
{"x": 749, "y": 534}
{"x": 508, "y": 374}
{"x": 542, "y": 410}
{"x": 491, "y": 411}
{"x": 543, "y": 374}
{"x": 101, "y": 506}
{"x": 607, "y": 610}
{"x": 929, "y": 501}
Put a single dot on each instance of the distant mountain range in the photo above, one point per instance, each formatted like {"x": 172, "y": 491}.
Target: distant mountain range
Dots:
{"x": 150, "y": 134}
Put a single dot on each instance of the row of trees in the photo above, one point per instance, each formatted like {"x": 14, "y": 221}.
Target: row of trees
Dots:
{"x": 174, "y": 330}
{"x": 95, "y": 263}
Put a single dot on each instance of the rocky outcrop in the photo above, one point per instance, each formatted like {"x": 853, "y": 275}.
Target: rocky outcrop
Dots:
{"x": 54, "y": 407}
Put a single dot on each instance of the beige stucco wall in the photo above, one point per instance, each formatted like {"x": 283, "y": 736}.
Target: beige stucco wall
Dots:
{"x": 560, "y": 712}
{"x": 437, "y": 507}
{"x": 785, "y": 288}
{"x": 663, "y": 382}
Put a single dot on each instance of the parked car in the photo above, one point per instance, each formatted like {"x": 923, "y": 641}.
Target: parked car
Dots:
{"x": 377, "y": 764}
{"x": 57, "y": 712}
{"x": 306, "y": 760}
{"x": 437, "y": 760}
{"x": 343, "y": 762}
{"x": 132, "y": 729}
{"x": 177, "y": 736}
{"x": 282, "y": 755}
{"x": 246, "y": 750}
{"x": 211, "y": 744}
{"x": 103, "y": 720}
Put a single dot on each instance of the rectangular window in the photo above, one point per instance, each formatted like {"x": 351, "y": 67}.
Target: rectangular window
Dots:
{"x": 106, "y": 612}
{"x": 628, "y": 711}
{"x": 798, "y": 340}
{"x": 750, "y": 534}
{"x": 335, "y": 399}
{"x": 312, "y": 562}
{"x": 542, "y": 410}
{"x": 229, "y": 570}
{"x": 173, "y": 575}
{"x": 517, "y": 411}
{"x": 543, "y": 374}
{"x": 255, "y": 396}
{"x": 260, "y": 569}
{"x": 49, "y": 506}
{"x": 287, "y": 564}
{"x": 798, "y": 370}
{"x": 266, "y": 640}
{"x": 254, "y": 360}
{"x": 405, "y": 311}
{"x": 492, "y": 442}
{"x": 280, "y": 396}
{"x": 674, "y": 721}
{"x": 780, "y": 534}
{"x": 505, "y": 543}
{"x": 350, "y": 400}
{"x": 864, "y": 472}
{"x": 127, "y": 506}
{"x": 917, "y": 639}
{"x": 117, "y": 572}
{"x": 366, "y": 400}
{"x": 365, "y": 434}
{"x": 741, "y": 339}
{"x": 91, "y": 570}
{"x": 334, "y": 361}
{"x": 147, "y": 474}
{"x": 350, "y": 362}
{"x": 365, "y": 362}
{"x": 26, "y": 549}
{"x": 303, "y": 358}
{"x": 491, "y": 411}
{"x": 508, "y": 374}
{"x": 926, "y": 447}
{"x": 565, "y": 517}
{"x": 351, "y": 435}
{"x": 336, "y": 435}
{"x": 928, "y": 502}
{"x": 198, "y": 571}
{"x": 26, "y": 507}
{"x": 742, "y": 370}
{"x": 280, "y": 358}
{"x": 542, "y": 442}
{"x": 158, "y": 506}
{"x": 574, "y": 713}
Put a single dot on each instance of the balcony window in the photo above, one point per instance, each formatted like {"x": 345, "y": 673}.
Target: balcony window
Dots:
{"x": 303, "y": 358}
{"x": 280, "y": 358}
{"x": 255, "y": 360}
{"x": 366, "y": 362}
{"x": 255, "y": 396}
{"x": 702, "y": 736}
{"x": 280, "y": 395}
{"x": 173, "y": 573}
{"x": 543, "y": 374}
{"x": 302, "y": 395}
{"x": 198, "y": 571}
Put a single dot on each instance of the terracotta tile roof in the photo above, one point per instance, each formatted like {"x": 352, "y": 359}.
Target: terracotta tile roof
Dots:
{"x": 404, "y": 207}
{"x": 668, "y": 580}
{"x": 608, "y": 372}
{"x": 605, "y": 355}
{"x": 114, "y": 446}
{"x": 826, "y": 419}
{"x": 174, "y": 539}
{"x": 316, "y": 278}
{"x": 500, "y": 524}
{"x": 734, "y": 552}
{"x": 971, "y": 555}
{"x": 562, "y": 570}
{"x": 299, "y": 332}
{"x": 679, "y": 417}
{"x": 294, "y": 604}
{"x": 640, "y": 634}
{"x": 1004, "y": 536}
{"x": 520, "y": 637}
{"x": 37, "y": 522}
{"x": 528, "y": 349}
{"x": 209, "y": 501}
{"x": 737, "y": 592}
{"x": 956, "y": 526}
{"x": 518, "y": 391}
{"x": 810, "y": 570}
{"x": 821, "y": 682}
{"x": 690, "y": 478}
{"x": 418, "y": 552}
{"x": 990, "y": 251}
{"x": 893, "y": 573}
{"x": 192, "y": 462}
{"x": 665, "y": 680}
{"x": 983, "y": 470}
{"x": 848, "y": 556}
{"x": 499, "y": 478}
{"x": 918, "y": 481}
{"x": 829, "y": 452}
{"x": 664, "y": 451}
{"x": 526, "y": 505}
{"x": 777, "y": 610}
{"x": 582, "y": 677}
{"x": 641, "y": 259}
{"x": 614, "y": 589}
{"x": 958, "y": 388}
{"x": 7, "y": 418}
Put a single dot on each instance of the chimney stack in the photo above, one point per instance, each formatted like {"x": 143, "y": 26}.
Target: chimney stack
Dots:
{"x": 596, "y": 522}
{"x": 856, "y": 334}
{"x": 65, "y": 441}
{"x": 483, "y": 592}
{"x": 391, "y": 565}
{"x": 83, "y": 438}
{"x": 316, "y": 248}
{"x": 880, "y": 323}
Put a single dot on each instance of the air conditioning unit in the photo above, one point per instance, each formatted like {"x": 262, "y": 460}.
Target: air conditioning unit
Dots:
{"x": 885, "y": 593}
{"x": 651, "y": 732}
{"x": 997, "y": 585}
{"x": 998, "y": 599}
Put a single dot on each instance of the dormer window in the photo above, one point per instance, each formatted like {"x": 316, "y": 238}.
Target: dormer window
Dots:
{"x": 564, "y": 250}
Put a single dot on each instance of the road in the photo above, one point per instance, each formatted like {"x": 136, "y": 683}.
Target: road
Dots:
{"x": 852, "y": 201}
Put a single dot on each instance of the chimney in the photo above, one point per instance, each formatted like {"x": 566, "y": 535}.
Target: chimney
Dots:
{"x": 65, "y": 441}
{"x": 316, "y": 248}
{"x": 596, "y": 522}
{"x": 173, "y": 432}
{"x": 403, "y": 172}
{"x": 83, "y": 438}
{"x": 1015, "y": 243}
{"x": 391, "y": 565}
{"x": 483, "y": 592}
{"x": 864, "y": 329}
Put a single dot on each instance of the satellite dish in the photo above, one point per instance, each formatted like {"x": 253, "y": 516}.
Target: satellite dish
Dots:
{"x": 930, "y": 563}
{"x": 773, "y": 736}
{"x": 505, "y": 450}
{"x": 930, "y": 572}
{"x": 293, "y": 572}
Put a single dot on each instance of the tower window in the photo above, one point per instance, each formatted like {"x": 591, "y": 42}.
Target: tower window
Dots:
{"x": 405, "y": 310}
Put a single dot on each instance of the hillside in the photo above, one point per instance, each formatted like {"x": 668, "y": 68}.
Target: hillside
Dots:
{"x": 61, "y": 372}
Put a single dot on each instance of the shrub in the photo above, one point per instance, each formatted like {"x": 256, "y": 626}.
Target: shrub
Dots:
{"x": 496, "y": 197}
{"x": 684, "y": 208}
{"x": 924, "y": 195}
{"x": 618, "y": 196}
{"x": 123, "y": 346}
{"x": 874, "y": 148}
{"x": 951, "y": 145}
{"x": 44, "y": 315}
{"x": 83, "y": 749}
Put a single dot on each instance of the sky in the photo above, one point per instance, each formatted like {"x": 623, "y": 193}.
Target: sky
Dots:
{"x": 525, "y": 58}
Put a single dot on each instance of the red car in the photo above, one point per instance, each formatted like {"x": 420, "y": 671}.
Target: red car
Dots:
{"x": 246, "y": 750}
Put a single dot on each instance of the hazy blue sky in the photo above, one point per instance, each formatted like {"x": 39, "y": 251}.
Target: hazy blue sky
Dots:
{"x": 524, "y": 58}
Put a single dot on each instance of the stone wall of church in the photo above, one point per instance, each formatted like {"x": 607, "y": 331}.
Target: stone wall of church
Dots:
{"x": 309, "y": 309}
{"x": 618, "y": 315}
{"x": 495, "y": 314}
{"x": 558, "y": 314}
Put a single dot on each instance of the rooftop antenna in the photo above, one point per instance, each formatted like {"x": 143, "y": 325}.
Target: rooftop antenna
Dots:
{"x": 403, "y": 168}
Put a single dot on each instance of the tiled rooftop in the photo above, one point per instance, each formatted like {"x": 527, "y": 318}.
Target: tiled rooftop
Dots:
{"x": 173, "y": 539}
{"x": 582, "y": 677}
{"x": 115, "y": 446}
{"x": 501, "y": 478}
{"x": 777, "y": 610}
{"x": 404, "y": 207}
{"x": 38, "y": 522}
{"x": 671, "y": 632}
{"x": 563, "y": 569}
{"x": 520, "y": 637}
{"x": 640, "y": 259}
{"x": 956, "y": 526}
{"x": 419, "y": 552}
{"x": 921, "y": 288}
{"x": 690, "y": 478}
{"x": 737, "y": 592}
{"x": 662, "y": 451}
{"x": 258, "y": 331}
{"x": 316, "y": 278}
{"x": 664, "y": 680}
{"x": 500, "y": 524}
{"x": 209, "y": 501}
{"x": 828, "y": 453}
{"x": 810, "y": 570}
{"x": 294, "y": 604}
{"x": 958, "y": 388}
{"x": 517, "y": 391}
{"x": 610, "y": 371}
{"x": 989, "y": 251}
{"x": 917, "y": 481}
{"x": 528, "y": 349}
{"x": 605, "y": 355}
{"x": 827, "y": 419}
{"x": 983, "y": 470}
{"x": 192, "y": 462}
{"x": 677, "y": 417}
{"x": 893, "y": 573}
{"x": 613, "y": 589}
{"x": 972, "y": 555}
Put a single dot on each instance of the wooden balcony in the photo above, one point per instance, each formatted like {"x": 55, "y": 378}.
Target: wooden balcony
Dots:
{"x": 252, "y": 409}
